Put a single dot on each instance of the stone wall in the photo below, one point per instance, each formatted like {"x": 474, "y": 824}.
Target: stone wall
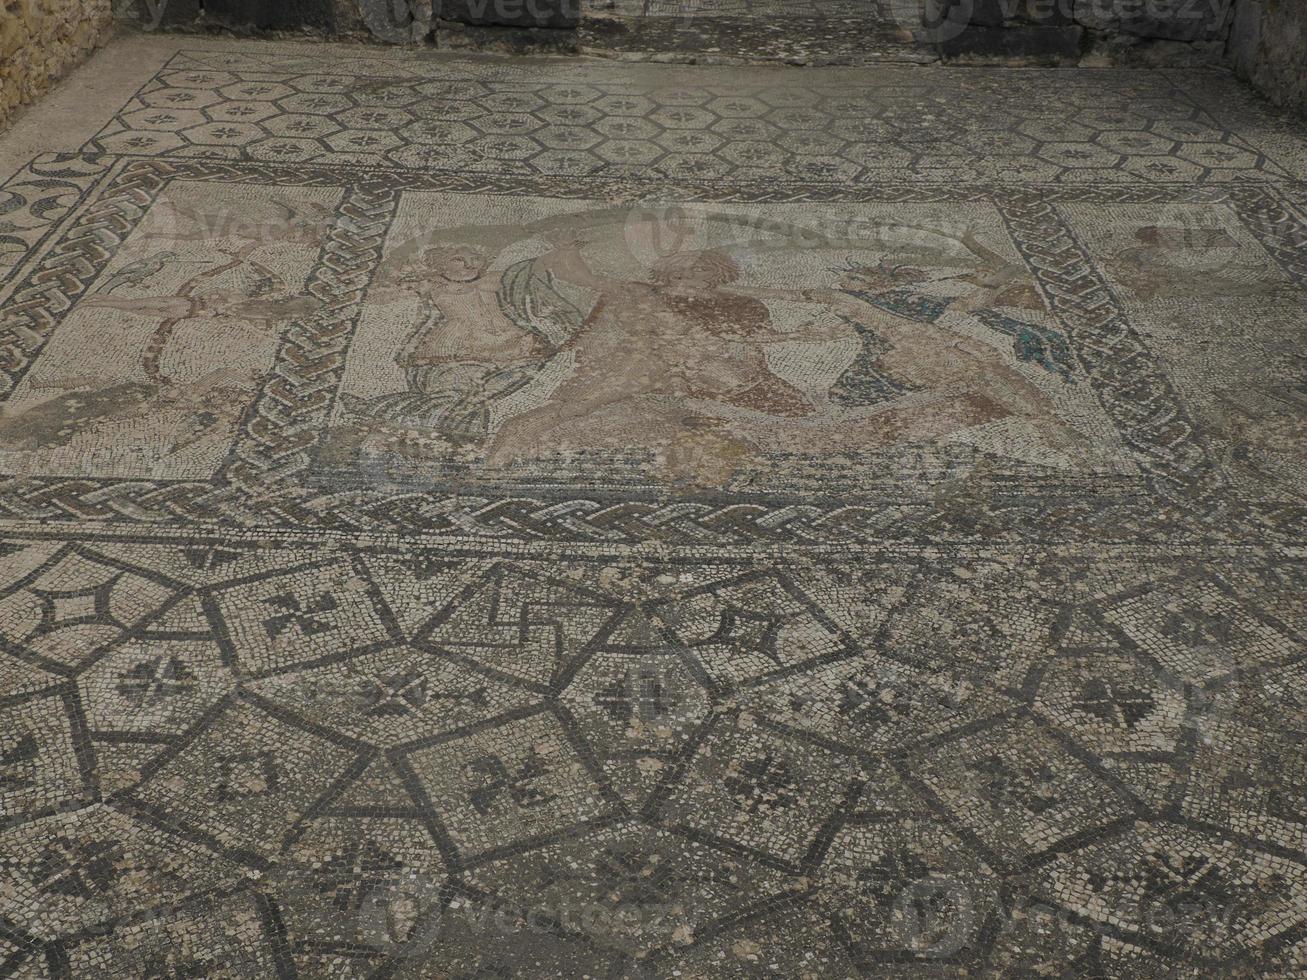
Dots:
{"x": 1174, "y": 32}
{"x": 1268, "y": 46}
{"x": 396, "y": 21}
{"x": 41, "y": 40}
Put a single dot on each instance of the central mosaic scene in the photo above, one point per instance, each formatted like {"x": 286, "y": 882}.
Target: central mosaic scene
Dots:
{"x": 703, "y": 345}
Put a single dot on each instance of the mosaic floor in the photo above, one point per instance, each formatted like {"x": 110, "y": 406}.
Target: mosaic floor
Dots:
{"x": 466, "y": 517}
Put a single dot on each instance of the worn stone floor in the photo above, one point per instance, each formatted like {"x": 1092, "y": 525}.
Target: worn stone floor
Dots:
{"x": 474, "y": 517}
{"x": 807, "y": 32}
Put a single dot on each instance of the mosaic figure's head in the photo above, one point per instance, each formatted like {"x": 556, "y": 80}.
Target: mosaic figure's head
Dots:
{"x": 878, "y": 277}
{"x": 696, "y": 270}
{"x": 456, "y": 263}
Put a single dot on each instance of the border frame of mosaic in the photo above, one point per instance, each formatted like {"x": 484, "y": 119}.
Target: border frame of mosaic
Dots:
{"x": 275, "y": 438}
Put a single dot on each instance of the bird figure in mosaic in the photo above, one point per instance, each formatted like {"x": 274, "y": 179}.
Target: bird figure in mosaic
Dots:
{"x": 138, "y": 272}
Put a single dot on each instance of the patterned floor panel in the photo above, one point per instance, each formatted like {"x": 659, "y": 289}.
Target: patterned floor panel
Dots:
{"x": 465, "y": 517}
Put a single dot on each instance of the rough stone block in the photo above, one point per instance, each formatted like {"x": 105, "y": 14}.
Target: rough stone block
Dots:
{"x": 41, "y": 42}
{"x": 512, "y": 13}
{"x": 1026, "y": 43}
{"x": 162, "y": 13}
{"x": 284, "y": 15}
{"x": 1268, "y": 46}
{"x": 1174, "y": 20}
{"x": 1042, "y": 13}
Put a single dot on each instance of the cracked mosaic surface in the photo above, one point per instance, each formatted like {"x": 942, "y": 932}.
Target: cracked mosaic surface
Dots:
{"x": 464, "y": 517}
{"x": 809, "y": 32}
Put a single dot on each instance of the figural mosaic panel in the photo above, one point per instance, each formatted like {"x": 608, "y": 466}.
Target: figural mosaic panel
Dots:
{"x": 396, "y": 341}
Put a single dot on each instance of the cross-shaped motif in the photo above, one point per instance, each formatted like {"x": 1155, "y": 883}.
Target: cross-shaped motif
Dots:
{"x": 351, "y": 876}
{"x": 1116, "y": 704}
{"x": 635, "y": 694}
{"x": 80, "y": 870}
{"x": 518, "y": 786}
{"x": 299, "y": 614}
{"x": 1184, "y": 879}
{"x": 763, "y": 783}
{"x": 633, "y": 876}
{"x": 155, "y": 679}
{"x": 208, "y": 558}
{"x": 17, "y": 763}
{"x": 1029, "y": 787}
{"x": 396, "y": 694}
{"x": 1193, "y": 625}
{"x": 874, "y": 701}
{"x": 889, "y": 873}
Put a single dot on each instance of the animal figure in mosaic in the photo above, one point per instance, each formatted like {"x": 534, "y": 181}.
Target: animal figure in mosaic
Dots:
{"x": 954, "y": 380}
{"x": 183, "y": 413}
{"x": 996, "y": 281}
{"x": 1165, "y": 259}
{"x": 266, "y": 301}
{"x": 138, "y": 272}
{"x": 306, "y": 223}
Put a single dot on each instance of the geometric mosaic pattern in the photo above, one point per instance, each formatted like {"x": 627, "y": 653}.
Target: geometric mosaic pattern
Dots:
{"x": 573, "y": 519}
{"x": 601, "y": 120}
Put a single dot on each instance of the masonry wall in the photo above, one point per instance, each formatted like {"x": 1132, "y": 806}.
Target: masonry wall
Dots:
{"x": 1160, "y": 32}
{"x": 396, "y": 21}
{"x": 41, "y": 40}
{"x": 1268, "y": 47}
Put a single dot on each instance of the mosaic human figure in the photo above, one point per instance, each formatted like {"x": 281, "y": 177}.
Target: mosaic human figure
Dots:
{"x": 652, "y": 358}
{"x": 479, "y": 337}
{"x": 956, "y": 380}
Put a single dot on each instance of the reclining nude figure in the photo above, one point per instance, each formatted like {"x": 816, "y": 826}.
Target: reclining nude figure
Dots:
{"x": 662, "y": 362}
{"x": 683, "y": 357}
